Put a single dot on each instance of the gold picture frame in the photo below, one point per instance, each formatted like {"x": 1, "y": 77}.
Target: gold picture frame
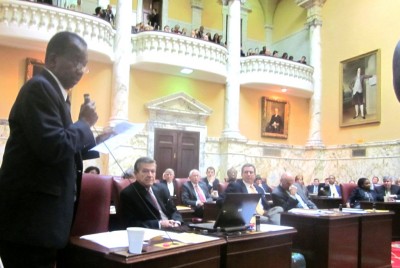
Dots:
{"x": 274, "y": 118}
{"x": 33, "y": 67}
{"x": 360, "y": 92}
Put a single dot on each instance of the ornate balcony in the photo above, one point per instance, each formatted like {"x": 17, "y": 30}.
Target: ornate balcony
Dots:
{"x": 273, "y": 74}
{"x": 169, "y": 53}
{"x": 22, "y": 21}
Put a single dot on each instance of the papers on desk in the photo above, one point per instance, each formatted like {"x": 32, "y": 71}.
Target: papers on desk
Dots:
{"x": 354, "y": 210}
{"x": 313, "y": 212}
{"x": 119, "y": 239}
{"x": 273, "y": 228}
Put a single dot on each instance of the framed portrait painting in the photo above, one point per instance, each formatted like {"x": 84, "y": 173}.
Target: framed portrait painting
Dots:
{"x": 33, "y": 67}
{"x": 274, "y": 118}
{"x": 359, "y": 96}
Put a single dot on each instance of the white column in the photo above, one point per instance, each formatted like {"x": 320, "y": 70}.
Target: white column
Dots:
{"x": 232, "y": 92}
{"x": 121, "y": 67}
{"x": 139, "y": 11}
{"x": 314, "y": 137}
{"x": 268, "y": 35}
{"x": 197, "y": 13}
{"x": 314, "y": 22}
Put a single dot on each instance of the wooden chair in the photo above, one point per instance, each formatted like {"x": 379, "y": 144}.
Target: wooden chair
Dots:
{"x": 347, "y": 189}
{"x": 93, "y": 212}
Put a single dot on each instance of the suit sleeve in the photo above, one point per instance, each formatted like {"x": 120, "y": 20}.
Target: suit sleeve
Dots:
{"x": 45, "y": 118}
{"x": 185, "y": 196}
{"x": 279, "y": 199}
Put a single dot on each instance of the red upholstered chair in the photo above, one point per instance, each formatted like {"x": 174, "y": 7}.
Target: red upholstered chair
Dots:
{"x": 118, "y": 185}
{"x": 93, "y": 212}
{"x": 346, "y": 189}
{"x": 222, "y": 187}
{"x": 179, "y": 185}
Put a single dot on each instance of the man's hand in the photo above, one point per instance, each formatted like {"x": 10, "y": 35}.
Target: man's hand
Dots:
{"x": 105, "y": 135}
{"x": 169, "y": 223}
{"x": 88, "y": 113}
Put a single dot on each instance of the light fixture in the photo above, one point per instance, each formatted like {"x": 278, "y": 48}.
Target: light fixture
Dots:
{"x": 283, "y": 90}
{"x": 186, "y": 71}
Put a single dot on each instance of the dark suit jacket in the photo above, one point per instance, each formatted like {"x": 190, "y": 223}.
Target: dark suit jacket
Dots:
{"x": 188, "y": 196}
{"x": 138, "y": 209}
{"x": 281, "y": 198}
{"x": 214, "y": 186}
{"x": 174, "y": 183}
{"x": 239, "y": 187}
{"x": 310, "y": 189}
{"x": 358, "y": 195}
{"x": 326, "y": 190}
{"x": 39, "y": 172}
{"x": 266, "y": 188}
{"x": 380, "y": 191}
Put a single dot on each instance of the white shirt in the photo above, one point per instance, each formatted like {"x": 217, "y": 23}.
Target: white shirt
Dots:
{"x": 334, "y": 192}
{"x": 170, "y": 186}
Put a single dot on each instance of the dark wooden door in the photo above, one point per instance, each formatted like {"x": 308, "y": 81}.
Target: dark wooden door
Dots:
{"x": 176, "y": 149}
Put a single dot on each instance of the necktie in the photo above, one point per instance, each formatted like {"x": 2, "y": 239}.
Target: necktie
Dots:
{"x": 259, "y": 208}
{"x": 200, "y": 193}
{"x": 68, "y": 103}
{"x": 156, "y": 205}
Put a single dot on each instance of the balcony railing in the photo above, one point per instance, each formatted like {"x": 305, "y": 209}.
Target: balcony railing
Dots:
{"x": 178, "y": 50}
{"x": 22, "y": 20}
{"x": 262, "y": 70}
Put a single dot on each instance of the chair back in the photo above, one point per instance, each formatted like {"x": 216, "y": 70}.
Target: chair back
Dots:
{"x": 222, "y": 187}
{"x": 179, "y": 185}
{"x": 346, "y": 189}
{"x": 93, "y": 211}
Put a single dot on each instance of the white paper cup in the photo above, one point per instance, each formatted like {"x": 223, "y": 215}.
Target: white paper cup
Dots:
{"x": 135, "y": 239}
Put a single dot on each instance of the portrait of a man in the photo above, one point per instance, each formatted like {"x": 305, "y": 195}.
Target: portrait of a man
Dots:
{"x": 275, "y": 114}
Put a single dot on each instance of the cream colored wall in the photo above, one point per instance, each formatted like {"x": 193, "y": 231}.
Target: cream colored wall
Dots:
{"x": 180, "y": 10}
{"x": 255, "y": 29}
{"x": 250, "y": 117}
{"x": 97, "y": 83}
{"x": 288, "y": 19}
{"x": 212, "y": 15}
{"x": 351, "y": 28}
{"x": 147, "y": 86}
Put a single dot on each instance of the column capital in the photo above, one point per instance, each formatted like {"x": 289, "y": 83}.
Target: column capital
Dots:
{"x": 197, "y": 4}
{"x": 314, "y": 10}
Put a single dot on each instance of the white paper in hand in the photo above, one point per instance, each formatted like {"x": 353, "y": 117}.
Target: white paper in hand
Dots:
{"x": 123, "y": 131}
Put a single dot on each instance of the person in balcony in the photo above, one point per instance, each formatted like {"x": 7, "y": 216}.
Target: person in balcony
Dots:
{"x": 275, "y": 125}
{"x": 200, "y": 33}
{"x": 303, "y": 60}
{"x": 154, "y": 19}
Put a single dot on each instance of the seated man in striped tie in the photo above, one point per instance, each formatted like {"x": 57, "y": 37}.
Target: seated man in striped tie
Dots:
{"x": 146, "y": 204}
{"x": 195, "y": 193}
{"x": 246, "y": 185}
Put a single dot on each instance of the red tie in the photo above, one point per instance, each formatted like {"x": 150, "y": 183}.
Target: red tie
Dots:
{"x": 200, "y": 193}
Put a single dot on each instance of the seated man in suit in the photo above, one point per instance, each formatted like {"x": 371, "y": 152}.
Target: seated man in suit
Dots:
{"x": 313, "y": 188}
{"x": 286, "y": 196}
{"x": 299, "y": 184}
{"x": 330, "y": 189}
{"x": 168, "y": 179}
{"x": 212, "y": 182}
{"x": 246, "y": 185}
{"x": 195, "y": 193}
{"x": 387, "y": 191}
{"x": 145, "y": 204}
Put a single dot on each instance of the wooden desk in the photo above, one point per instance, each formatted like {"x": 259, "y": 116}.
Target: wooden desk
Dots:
{"x": 86, "y": 254}
{"x": 343, "y": 240}
{"x": 392, "y": 206}
{"x": 325, "y": 241}
{"x": 261, "y": 249}
{"x": 324, "y": 202}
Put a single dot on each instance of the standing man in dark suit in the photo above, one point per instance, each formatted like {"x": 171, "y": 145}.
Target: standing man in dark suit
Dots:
{"x": 246, "y": 185}
{"x": 146, "y": 204}
{"x": 37, "y": 201}
{"x": 195, "y": 193}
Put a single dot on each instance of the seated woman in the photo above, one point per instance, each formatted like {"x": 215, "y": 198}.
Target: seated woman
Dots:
{"x": 362, "y": 193}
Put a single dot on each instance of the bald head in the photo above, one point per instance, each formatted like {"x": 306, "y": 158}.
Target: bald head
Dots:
{"x": 287, "y": 180}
